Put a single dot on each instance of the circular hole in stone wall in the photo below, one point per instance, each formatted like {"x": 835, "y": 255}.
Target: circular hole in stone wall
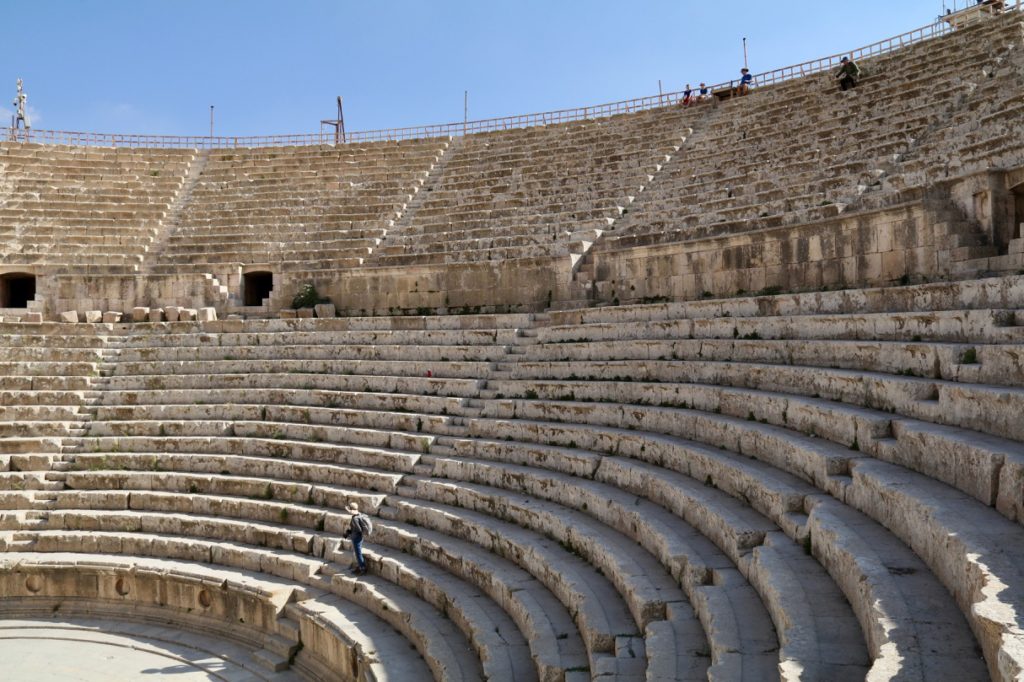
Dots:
{"x": 33, "y": 583}
{"x": 121, "y": 586}
{"x": 204, "y": 599}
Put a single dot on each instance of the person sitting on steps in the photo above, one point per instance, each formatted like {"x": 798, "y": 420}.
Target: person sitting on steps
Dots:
{"x": 848, "y": 74}
{"x": 687, "y": 96}
{"x": 744, "y": 87}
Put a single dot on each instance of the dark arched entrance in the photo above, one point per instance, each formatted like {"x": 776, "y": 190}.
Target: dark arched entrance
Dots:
{"x": 17, "y": 289}
{"x": 257, "y": 286}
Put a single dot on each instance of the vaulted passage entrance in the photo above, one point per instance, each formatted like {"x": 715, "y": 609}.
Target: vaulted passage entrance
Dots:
{"x": 257, "y": 286}
{"x": 17, "y": 289}
{"x": 1018, "y": 210}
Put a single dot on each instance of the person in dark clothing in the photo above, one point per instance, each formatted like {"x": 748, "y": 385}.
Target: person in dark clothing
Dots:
{"x": 687, "y": 96}
{"x": 848, "y": 74}
{"x": 358, "y": 528}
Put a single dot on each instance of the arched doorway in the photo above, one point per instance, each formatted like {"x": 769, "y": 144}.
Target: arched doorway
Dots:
{"x": 1018, "y": 211}
{"x": 256, "y": 286}
{"x": 17, "y": 289}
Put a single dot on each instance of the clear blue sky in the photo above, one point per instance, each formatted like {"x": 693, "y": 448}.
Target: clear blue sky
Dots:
{"x": 155, "y": 66}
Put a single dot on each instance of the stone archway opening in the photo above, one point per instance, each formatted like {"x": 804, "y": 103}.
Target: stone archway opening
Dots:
{"x": 1018, "y": 211}
{"x": 256, "y": 286}
{"x": 17, "y": 289}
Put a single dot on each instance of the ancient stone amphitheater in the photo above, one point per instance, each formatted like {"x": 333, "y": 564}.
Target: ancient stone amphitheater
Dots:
{"x": 728, "y": 392}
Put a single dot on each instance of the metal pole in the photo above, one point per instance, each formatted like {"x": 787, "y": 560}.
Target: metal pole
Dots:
{"x": 746, "y": 65}
{"x": 211, "y": 124}
{"x": 465, "y": 111}
{"x": 661, "y": 96}
{"x": 341, "y": 122}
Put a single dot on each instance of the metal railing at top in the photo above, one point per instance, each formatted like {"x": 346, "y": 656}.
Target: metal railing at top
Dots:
{"x": 329, "y": 136}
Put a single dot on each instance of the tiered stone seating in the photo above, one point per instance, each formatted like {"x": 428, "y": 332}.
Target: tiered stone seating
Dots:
{"x": 536, "y": 192}
{"x": 742, "y": 488}
{"x": 802, "y": 151}
{"x": 888, "y": 437}
{"x": 295, "y": 207}
{"x": 983, "y": 133}
{"x": 82, "y": 209}
{"x": 822, "y": 486}
{"x": 49, "y": 379}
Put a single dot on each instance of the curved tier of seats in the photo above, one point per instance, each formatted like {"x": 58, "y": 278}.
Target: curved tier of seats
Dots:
{"x": 802, "y": 151}
{"x": 749, "y": 488}
{"x": 326, "y": 207}
{"x": 535, "y": 192}
{"x": 85, "y": 209}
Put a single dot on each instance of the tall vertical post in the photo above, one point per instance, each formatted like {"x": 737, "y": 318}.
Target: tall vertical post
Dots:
{"x": 746, "y": 64}
{"x": 661, "y": 95}
{"x": 211, "y": 124}
{"x": 465, "y": 111}
{"x": 340, "y": 128}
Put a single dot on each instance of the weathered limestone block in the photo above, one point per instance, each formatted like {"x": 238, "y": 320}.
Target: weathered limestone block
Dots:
{"x": 69, "y": 316}
{"x": 93, "y": 316}
{"x": 140, "y": 313}
{"x": 325, "y": 310}
{"x": 156, "y": 314}
{"x": 207, "y": 314}
{"x": 172, "y": 312}
{"x": 110, "y": 317}
{"x": 187, "y": 315}
{"x": 288, "y": 314}
{"x": 304, "y": 312}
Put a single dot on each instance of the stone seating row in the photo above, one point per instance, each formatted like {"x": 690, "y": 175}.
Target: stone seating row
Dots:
{"x": 992, "y": 292}
{"x": 343, "y": 331}
{"x": 983, "y": 326}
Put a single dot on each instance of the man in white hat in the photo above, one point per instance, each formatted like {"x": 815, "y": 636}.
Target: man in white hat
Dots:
{"x": 359, "y": 527}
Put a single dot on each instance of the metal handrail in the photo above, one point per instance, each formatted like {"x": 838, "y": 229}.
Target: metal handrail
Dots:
{"x": 324, "y": 137}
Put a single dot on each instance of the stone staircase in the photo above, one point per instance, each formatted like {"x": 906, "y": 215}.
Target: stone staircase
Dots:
{"x": 420, "y": 192}
{"x": 171, "y": 221}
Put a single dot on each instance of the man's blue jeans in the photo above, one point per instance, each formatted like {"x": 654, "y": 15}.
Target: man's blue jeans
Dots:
{"x": 357, "y": 547}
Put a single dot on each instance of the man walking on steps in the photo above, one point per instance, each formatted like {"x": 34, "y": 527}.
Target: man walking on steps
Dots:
{"x": 359, "y": 527}
{"x": 848, "y": 74}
